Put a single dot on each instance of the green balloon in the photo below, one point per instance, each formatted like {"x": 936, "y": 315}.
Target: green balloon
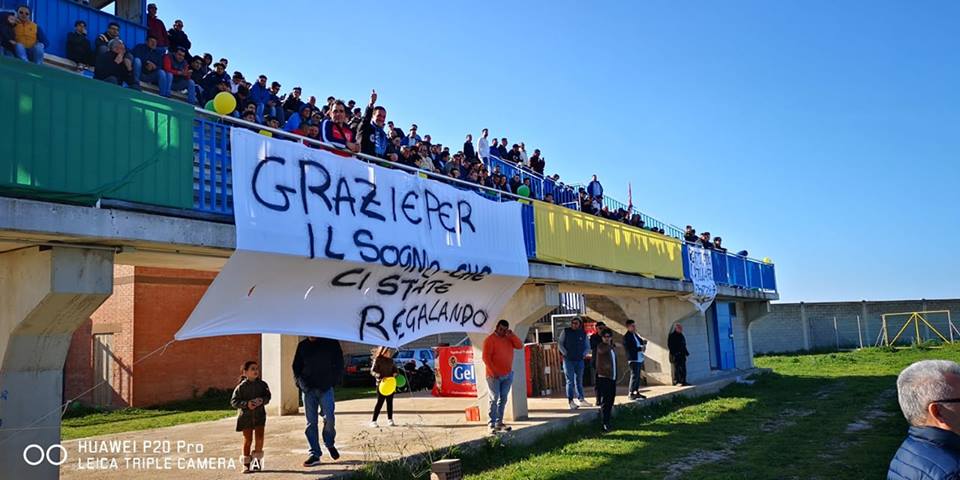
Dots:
{"x": 523, "y": 191}
{"x": 401, "y": 381}
{"x": 209, "y": 106}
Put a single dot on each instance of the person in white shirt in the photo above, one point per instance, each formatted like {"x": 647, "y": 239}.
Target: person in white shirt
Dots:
{"x": 635, "y": 346}
{"x": 483, "y": 148}
{"x": 523, "y": 155}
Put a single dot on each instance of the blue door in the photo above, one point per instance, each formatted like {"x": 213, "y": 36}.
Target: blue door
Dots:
{"x": 723, "y": 318}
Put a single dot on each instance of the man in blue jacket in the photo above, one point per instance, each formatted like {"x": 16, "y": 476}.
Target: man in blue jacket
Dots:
{"x": 574, "y": 347}
{"x": 148, "y": 66}
{"x": 260, "y": 95}
{"x": 929, "y": 396}
{"x": 317, "y": 368}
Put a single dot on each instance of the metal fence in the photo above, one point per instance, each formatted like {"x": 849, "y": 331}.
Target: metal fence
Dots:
{"x": 844, "y": 332}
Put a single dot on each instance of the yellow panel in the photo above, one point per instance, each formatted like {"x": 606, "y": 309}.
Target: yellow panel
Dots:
{"x": 571, "y": 237}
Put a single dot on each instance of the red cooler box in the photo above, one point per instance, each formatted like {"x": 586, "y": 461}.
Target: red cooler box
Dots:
{"x": 455, "y": 374}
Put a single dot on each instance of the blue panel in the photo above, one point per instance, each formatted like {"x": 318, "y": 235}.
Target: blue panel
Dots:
{"x": 768, "y": 277}
{"x": 56, "y": 18}
{"x": 719, "y": 261}
{"x": 753, "y": 275}
{"x": 529, "y": 230}
{"x": 737, "y": 270}
{"x": 723, "y": 317}
{"x": 684, "y": 252}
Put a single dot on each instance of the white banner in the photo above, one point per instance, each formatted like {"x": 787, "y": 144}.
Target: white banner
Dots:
{"x": 701, "y": 273}
{"x": 334, "y": 247}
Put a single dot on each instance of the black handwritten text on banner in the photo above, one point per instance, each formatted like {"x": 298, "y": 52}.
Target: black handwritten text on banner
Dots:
{"x": 331, "y": 246}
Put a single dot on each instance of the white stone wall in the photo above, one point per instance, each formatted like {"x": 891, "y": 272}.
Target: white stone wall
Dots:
{"x": 783, "y": 329}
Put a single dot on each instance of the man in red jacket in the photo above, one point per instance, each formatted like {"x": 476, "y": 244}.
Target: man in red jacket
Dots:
{"x": 156, "y": 27}
{"x": 175, "y": 64}
{"x": 498, "y": 358}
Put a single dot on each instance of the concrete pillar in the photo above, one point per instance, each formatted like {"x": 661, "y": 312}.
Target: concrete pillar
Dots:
{"x": 867, "y": 338}
{"x": 753, "y": 311}
{"x": 655, "y": 318}
{"x": 45, "y": 294}
{"x": 529, "y": 304}
{"x": 804, "y": 326}
{"x": 276, "y": 361}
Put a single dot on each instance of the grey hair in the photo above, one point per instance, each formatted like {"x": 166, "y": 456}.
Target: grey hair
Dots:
{"x": 114, "y": 43}
{"x": 921, "y": 384}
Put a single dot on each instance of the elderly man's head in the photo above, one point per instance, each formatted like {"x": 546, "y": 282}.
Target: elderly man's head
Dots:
{"x": 929, "y": 394}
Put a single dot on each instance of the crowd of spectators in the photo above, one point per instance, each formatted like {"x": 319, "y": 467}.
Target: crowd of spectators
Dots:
{"x": 164, "y": 60}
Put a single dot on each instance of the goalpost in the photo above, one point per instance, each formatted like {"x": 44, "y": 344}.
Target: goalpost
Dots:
{"x": 915, "y": 319}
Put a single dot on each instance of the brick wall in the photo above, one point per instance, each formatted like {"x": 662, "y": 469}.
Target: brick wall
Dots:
{"x": 114, "y": 317}
{"x": 147, "y": 307}
{"x": 783, "y": 329}
{"x": 165, "y": 298}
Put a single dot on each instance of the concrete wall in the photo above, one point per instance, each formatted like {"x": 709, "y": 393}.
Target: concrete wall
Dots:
{"x": 147, "y": 307}
{"x": 741, "y": 343}
{"x": 784, "y": 329}
{"x": 695, "y": 331}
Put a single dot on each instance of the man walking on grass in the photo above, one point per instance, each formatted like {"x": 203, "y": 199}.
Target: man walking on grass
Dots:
{"x": 498, "y": 358}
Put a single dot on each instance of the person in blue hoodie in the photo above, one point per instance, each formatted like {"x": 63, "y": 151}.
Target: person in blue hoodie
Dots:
{"x": 929, "y": 395}
{"x": 149, "y": 67}
{"x": 295, "y": 121}
{"x": 260, "y": 96}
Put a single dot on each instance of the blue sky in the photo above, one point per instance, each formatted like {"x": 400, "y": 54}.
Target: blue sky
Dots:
{"x": 825, "y": 135}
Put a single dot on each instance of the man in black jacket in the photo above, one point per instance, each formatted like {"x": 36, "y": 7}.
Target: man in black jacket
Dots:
{"x": 677, "y": 345}
{"x": 468, "y": 149}
{"x": 634, "y": 345}
{"x": 78, "y": 45}
{"x": 113, "y": 66}
{"x": 317, "y": 368}
{"x": 373, "y": 139}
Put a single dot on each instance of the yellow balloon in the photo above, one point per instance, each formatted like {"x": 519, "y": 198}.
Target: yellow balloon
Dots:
{"x": 767, "y": 260}
{"x": 224, "y": 103}
{"x": 388, "y": 386}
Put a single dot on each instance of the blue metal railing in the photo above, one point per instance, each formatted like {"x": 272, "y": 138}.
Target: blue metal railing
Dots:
{"x": 736, "y": 271}
{"x": 212, "y": 175}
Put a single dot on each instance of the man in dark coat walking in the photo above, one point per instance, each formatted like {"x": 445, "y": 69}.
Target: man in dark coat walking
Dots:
{"x": 677, "y": 345}
{"x": 317, "y": 368}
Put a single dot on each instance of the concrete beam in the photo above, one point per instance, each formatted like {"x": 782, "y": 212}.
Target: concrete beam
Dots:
{"x": 45, "y": 294}
{"x": 175, "y": 242}
{"x": 276, "y": 367}
{"x": 529, "y": 304}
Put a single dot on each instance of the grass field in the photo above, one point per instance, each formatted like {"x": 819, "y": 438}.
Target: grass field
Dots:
{"x": 829, "y": 416}
{"x": 79, "y": 423}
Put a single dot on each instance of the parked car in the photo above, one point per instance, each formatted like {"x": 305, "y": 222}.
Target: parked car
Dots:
{"x": 420, "y": 355}
{"x": 357, "y": 371}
